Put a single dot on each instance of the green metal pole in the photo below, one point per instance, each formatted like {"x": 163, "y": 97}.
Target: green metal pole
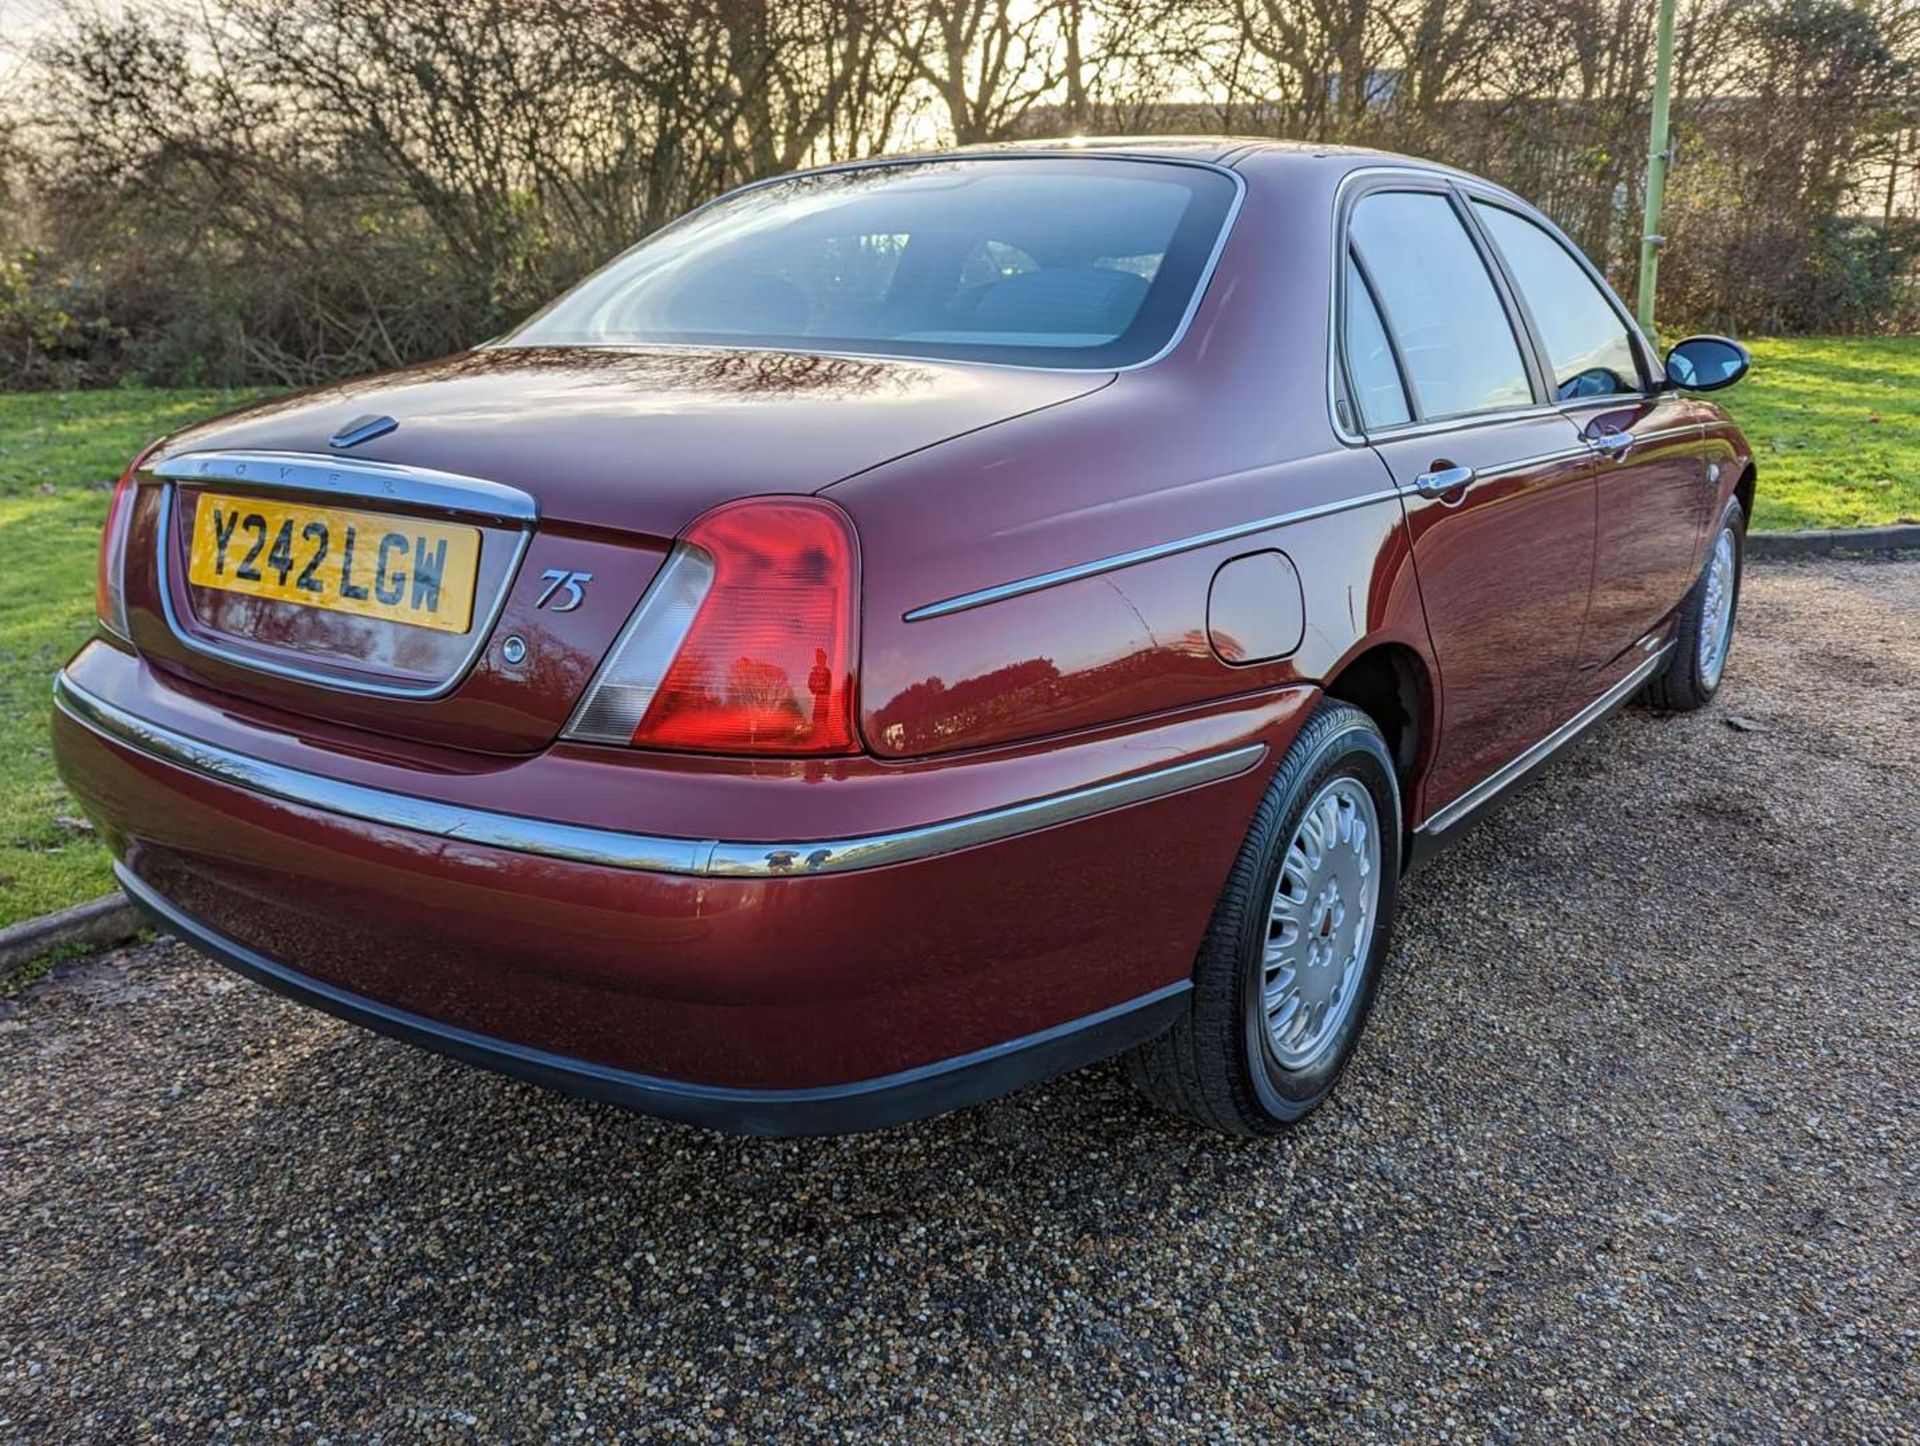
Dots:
{"x": 1659, "y": 157}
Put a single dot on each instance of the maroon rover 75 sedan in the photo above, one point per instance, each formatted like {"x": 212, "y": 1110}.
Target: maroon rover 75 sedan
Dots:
{"x": 911, "y": 628}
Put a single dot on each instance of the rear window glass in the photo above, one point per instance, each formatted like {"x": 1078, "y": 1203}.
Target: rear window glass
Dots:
{"x": 1043, "y": 262}
{"x": 1438, "y": 301}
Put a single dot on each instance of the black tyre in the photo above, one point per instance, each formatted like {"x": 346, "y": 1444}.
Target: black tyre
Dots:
{"x": 1292, "y": 956}
{"x": 1699, "y": 660}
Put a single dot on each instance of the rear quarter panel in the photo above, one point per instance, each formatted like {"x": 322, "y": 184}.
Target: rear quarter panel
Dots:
{"x": 1229, "y": 431}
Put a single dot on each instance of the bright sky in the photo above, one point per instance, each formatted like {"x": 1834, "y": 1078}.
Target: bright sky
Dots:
{"x": 19, "y": 19}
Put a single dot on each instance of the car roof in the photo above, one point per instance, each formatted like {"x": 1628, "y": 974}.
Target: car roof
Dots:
{"x": 1216, "y": 150}
{"x": 1193, "y": 148}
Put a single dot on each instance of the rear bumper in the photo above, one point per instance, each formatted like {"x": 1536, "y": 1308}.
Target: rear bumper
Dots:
{"x": 827, "y": 1110}
{"x": 828, "y": 984}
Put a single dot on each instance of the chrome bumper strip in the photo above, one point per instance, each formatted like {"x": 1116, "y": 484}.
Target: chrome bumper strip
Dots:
{"x": 611, "y": 848}
{"x": 1485, "y": 790}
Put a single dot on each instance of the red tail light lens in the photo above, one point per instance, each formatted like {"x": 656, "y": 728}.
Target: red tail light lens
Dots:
{"x": 109, "y": 588}
{"x": 767, "y": 666}
{"x": 746, "y": 641}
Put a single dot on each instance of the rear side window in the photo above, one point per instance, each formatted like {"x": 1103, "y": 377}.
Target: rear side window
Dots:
{"x": 1586, "y": 342}
{"x": 1371, "y": 368}
{"x": 1439, "y": 301}
{"x": 1043, "y": 262}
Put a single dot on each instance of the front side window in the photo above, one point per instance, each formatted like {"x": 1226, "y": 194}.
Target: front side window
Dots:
{"x": 1439, "y": 302}
{"x": 1043, "y": 262}
{"x": 1586, "y": 342}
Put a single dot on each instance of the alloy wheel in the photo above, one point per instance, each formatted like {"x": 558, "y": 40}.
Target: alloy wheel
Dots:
{"x": 1716, "y": 612}
{"x": 1320, "y": 923}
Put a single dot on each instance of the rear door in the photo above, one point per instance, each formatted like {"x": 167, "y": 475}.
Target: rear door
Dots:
{"x": 1653, "y": 499}
{"x": 1498, "y": 485}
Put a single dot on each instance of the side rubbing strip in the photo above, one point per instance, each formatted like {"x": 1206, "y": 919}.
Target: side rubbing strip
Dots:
{"x": 1021, "y": 586}
{"x": 1568, "y": 732}
{"x": 611, "y": 848}
{"x": 758, "y": 860}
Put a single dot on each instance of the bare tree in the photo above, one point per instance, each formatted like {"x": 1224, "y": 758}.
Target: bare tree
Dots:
{"x": 290, "y": 189}
{"x": 988, "y": 65}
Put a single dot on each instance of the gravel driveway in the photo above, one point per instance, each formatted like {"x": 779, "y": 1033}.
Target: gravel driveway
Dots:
{"x": 1632, "y": 1146}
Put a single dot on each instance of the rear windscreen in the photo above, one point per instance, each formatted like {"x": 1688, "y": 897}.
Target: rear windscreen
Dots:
{"x": 1043, "y": 262}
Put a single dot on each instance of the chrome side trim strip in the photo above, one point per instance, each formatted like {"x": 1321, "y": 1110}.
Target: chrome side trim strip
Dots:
{"x": 1020, "y": 586}
{"x": 612, "y": 848}
{"x": 483, "y": 626}
{"x": 838, "y": 856}
{"x": 1660, "y": 434}
{"x": 1581, "y": 453}
{"x": 355, "y": 478}
{"x": 376, "y": 805}
{"x": 1485, "y": 790}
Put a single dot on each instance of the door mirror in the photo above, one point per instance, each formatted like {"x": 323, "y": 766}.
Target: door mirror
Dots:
{"x": 1707, "y": 363}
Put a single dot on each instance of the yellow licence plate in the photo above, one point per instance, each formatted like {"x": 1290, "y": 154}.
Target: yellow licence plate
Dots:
{"x": 401, "y": 569}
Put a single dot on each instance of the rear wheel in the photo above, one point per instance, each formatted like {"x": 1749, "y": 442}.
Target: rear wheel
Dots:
{"x": 1692, "y": 675}
{"x": 1287, "y": 971}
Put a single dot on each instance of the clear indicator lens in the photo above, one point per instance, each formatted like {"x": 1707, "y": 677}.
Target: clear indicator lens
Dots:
{"x": 624, "y": 689}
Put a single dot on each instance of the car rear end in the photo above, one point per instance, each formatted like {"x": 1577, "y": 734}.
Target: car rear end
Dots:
{"x": 527, "y": 726}
{"x": 740, "y": 917}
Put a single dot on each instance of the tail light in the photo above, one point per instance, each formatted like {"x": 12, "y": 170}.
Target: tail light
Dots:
{"x": 743, "y": 644}
{"x": 110, "y": 584}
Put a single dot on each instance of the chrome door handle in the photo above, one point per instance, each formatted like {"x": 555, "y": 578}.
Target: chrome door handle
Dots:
{"x": 1614, "y": 444}
{"x": 1443, "y": 481}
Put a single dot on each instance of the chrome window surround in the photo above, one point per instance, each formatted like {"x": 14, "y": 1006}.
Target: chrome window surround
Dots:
{"x": 1645, "y": 353}
{"x": 1020, "y": 586}
{"x": 1428, "y": 178}
{"x": 1470, "y": 187}
{"x": 611, "y": 848}
{"x": 1200, "y": 285}
{"x": 355, "y": 480}
{"x": 1513, "y": 771}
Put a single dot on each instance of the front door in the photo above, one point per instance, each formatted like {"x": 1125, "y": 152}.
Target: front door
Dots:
{"x": 1498, "y": 485}
{"x": 1653, "y": 499}
{"x": 1655, "y": 505}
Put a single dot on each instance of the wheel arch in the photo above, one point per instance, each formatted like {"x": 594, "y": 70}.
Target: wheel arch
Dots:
{"x": 1744, "y": 490}
{"x": 1391, "y": 683}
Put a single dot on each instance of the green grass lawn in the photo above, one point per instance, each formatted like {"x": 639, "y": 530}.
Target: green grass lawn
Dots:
{"x": 1834, "y": 421}
{"x": 59, "y": 454}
